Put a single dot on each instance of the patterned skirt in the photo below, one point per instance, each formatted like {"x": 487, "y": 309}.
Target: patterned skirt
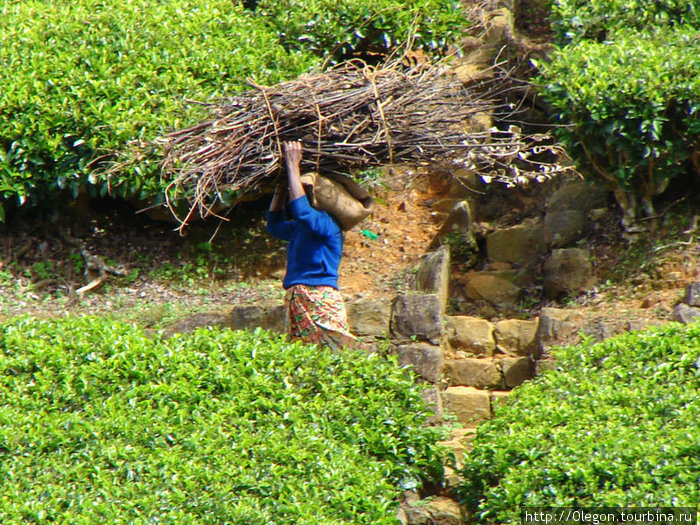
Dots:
{"x": 316, "y": 314}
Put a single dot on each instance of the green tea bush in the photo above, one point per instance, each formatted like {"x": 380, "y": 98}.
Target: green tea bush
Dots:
{"x": 346, "y": 28}
{"x": 80, "y": 79}
{"x": 616, "y": 425}
{"x": 629, "y": 109}
{"x": 99, "y": 423}
{"x": 573, "y": 20}
{"x": 83, "y": 79}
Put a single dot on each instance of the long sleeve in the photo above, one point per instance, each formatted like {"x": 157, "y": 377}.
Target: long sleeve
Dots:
{"x": 277, "y": 226}
{"x": 320, "y": 223}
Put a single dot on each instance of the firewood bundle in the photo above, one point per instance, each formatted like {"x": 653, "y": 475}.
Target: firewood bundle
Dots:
{"x": 349, "y": 117}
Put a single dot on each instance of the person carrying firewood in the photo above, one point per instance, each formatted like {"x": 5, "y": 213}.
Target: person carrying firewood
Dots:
{"x": 315, "y": 309}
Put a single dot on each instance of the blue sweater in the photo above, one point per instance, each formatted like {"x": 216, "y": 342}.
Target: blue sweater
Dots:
{"x": 315, "y": 244}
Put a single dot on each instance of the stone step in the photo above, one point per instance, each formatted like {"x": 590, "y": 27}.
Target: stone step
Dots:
{"x": 473, "y": 336}
{"x": 494, "y": 373}
{"x": 471, "y": 405}
{"x": 459, "y": 442}
{"x": 436, "y": 510}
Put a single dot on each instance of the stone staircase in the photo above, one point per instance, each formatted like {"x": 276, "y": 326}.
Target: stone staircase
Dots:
{"x": 469, "y": 364}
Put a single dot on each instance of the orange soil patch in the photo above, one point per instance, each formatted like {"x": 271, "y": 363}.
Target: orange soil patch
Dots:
{"x": 404, "y": 226}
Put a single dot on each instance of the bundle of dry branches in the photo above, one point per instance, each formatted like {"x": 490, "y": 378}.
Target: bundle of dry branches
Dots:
{"x": 348, "y": 117}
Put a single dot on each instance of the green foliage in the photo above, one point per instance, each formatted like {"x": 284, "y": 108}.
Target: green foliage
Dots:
{"x": 347, "y": 28}
{"x": 101, "y": 423}
{"x": 645, "y": 86}
{"x": 81, "y": 79}
{"x": 574, "y": 20}
{"x": 616, "y": 425}
{"x": 78, "y": 262}
{"x": 463, "y": 248}
{"x": 630, "y": 108}
{"x": 191, "y": 269}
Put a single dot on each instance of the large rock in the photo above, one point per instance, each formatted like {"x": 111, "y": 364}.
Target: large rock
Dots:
{"x": 425, "y": 360}
{"x": 445, "y": 511}
{"x": 546, "y": 365}
{"x": 601, "y": 329}
{"x": 457, "y": 233}
{"x": 518, "y": 244}
{"x": 417, "y": 515}
{"x": 459, "y": 217}
{"x": 516, "y": 370}
{"x": 433, "y": 400}
{"x": 499, "y": 30}
{"x": 468, "y": 404}
{"x": 401, "y": 516}
{"x": 557, "y": 326}
{"x": 417, "y": 317}
{"x": 577, "y": 195}
{"x": 433, "y": 275}
{"x": 522, "y": 277}
{"x": 479, "y": 373}
{"x": 564, "y": 227}
{"x": 437, "y": 510}
{"x": 692, "y": 294}
{"x": 465, "y": 183}
{"x": 642, "y": 324}
{"x": 686, "y": 314}
{"x": 517, "y": 337}
{"x": 448, "y": 204}
{"x": 492, "y": 287}
{"x": 567, "y": 272}
{"x": 269, "y": 317}
{"x": 470, "y": 334}
{"x": 369, "y": 317}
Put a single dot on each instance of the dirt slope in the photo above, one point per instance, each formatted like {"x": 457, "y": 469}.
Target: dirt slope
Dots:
{"x": 169, "y": 276}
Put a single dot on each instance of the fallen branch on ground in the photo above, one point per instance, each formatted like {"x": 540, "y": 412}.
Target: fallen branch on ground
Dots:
{"x": 96, "y": 269}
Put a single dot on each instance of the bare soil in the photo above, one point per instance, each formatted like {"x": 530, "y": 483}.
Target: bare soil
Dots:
{"x": 214, "y": 266}
{"x": 218, "y": 265}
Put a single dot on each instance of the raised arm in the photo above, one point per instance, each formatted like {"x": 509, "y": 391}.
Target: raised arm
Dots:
{"x": 319, "y": 222}
{"x": 277, "y": 202}
{"x": 277, "y": 226}
{"x": 292, "y": 156}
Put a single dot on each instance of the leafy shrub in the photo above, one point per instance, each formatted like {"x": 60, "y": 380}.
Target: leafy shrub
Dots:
{"x": 630, "y": 109}
{"x": 83, "y": 78}
{"x": 348, "y": 28}
{"x": 626, "y": 88}
{"x": 101, "y": 423}
{"x": 617, "y": 425}
{"x": 574, "y": 20}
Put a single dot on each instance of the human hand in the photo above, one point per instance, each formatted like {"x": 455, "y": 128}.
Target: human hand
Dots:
{"x": 292, "y": 153}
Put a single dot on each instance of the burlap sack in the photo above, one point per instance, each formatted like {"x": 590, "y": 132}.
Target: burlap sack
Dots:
{"x": 344, "y": 199}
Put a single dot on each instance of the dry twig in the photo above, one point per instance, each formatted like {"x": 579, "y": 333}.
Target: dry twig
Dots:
{"x": 351, "y": 116}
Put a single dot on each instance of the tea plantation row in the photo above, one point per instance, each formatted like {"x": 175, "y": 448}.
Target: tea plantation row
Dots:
{"x": 617, "y": 426}
{"x": 82, "y": 79}
{"x": 100, "y": 423}
{"x": 624, "y": 85}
